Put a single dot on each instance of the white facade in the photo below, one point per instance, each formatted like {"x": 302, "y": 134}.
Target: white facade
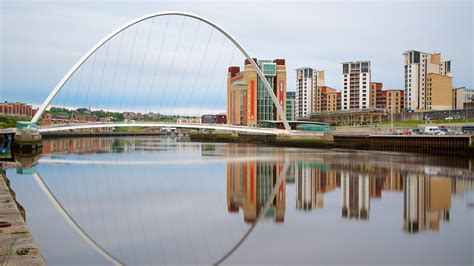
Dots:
{"x": 307, "y": 82}
{"x": 356, "y": 78}
{"x": 417, "y": 66}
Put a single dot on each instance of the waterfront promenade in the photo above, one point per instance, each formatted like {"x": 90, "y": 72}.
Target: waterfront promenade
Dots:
{"x": 17, "y": 246}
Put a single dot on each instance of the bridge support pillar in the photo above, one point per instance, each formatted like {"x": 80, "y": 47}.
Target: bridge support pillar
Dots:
{"x": 27, "y": 139}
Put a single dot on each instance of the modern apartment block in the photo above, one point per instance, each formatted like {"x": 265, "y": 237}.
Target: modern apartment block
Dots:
{"x": 376, "y": 97}
{"x": 308, "y": 81}
{"x": 248, "y": 102}
{"x": 395, "y": 100}
{"x": 391, "y": 100}
{"x": 290, "y": 105}
{"x": 428, "y": 81}
{"x": 356, "y": 78}
{"x": 330, "y": 99}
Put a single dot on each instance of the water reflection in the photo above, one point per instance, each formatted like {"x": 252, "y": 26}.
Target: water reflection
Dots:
{"x": 182, "y": 209}
{"x": 249, "y": 185}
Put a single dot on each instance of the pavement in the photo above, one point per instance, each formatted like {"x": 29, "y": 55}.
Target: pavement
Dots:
{"x": 17, "y": 246}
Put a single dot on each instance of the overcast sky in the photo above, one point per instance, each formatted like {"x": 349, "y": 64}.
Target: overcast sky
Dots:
{"x": 41, "y": 40}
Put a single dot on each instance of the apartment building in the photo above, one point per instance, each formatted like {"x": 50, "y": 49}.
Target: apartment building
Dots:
{"x": 376, "y": 97}
{"x": 419, "y": 86}
{"x": 16, "y": 109}
{"x": 248, "y": 101}
{"x": 438, "y": 92}
{"x": 356, "y": 78}
{"x": 330, "y": 99}
{"x": 394, "y": 100}
{"x": 308, "y": 81}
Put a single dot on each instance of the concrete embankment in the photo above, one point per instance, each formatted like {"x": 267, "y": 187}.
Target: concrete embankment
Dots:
{"x": 442, "y": 145}
{"x": 316, "y": 140}
{"x": 17, "y": 246}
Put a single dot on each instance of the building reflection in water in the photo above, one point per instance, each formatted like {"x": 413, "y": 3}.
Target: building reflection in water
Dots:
{"x": 427, "y": 201}
{"x": 249, "y": 184}
{"x": 355, "y": 197}
{"x": 311, "y": 183}
{"x": 77, "y": 145}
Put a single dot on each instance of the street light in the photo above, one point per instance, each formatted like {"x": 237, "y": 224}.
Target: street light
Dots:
{"x": 391, "y": 118}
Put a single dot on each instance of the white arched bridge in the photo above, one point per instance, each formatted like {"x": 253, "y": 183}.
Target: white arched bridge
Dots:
{"x": 113, "y": 91}
{"x": 224, "y": 127}
{"x": 84, "y": 85}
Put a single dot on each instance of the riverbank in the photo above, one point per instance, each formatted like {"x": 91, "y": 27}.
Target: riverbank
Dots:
{"x": 361, "y": 140}
{"x": 17, "y": 246}
{"x": 437, "y": 145}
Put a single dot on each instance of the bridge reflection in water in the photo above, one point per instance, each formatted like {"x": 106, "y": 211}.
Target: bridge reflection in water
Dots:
{"x": 148, "y": 201}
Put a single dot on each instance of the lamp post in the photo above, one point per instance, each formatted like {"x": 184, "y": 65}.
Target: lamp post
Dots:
{"x": 391, "y": 119}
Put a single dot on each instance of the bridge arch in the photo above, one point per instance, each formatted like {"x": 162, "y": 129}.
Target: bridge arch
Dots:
{"x": 71, "y": 71}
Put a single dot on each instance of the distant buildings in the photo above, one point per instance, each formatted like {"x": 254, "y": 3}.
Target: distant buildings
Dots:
{"x": 427, "y": 86}
{"x": 214, "y": 119}
{"x": 248, "y": 102}
{"x": 428, "y": 81}
{"x": 308, "y": 97}
{"x": 17, "y": 109}
{"x": 290, "y": 105}
{"x": 461, "y": 96}
{"x": 189, "y": 120}
{"x": 356, "y": 77}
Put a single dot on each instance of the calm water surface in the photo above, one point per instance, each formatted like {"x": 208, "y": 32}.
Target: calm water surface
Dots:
{"x": 162, "y": 201}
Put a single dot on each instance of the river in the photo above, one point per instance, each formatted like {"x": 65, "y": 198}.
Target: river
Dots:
{"x": 165, "y": 201}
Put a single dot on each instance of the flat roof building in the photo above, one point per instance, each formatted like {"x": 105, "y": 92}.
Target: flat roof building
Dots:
{"x": 356, "y": 78}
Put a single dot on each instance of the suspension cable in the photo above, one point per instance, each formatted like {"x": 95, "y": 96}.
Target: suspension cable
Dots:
{"x": 90, "y": 79}
{"x": 225, "y": 82}
{"x": 102, "y": 76}
{"x": 128, "y": 67}
{"x": 115, "y": 70}
{"x": 212, "y": 75}
{"x": 172, "y": 63}
{"x": 143, "y": 63}
{"x": 156, "y": 67}
{"x": 185, "y": 67}
{"x": 199, "y": 72}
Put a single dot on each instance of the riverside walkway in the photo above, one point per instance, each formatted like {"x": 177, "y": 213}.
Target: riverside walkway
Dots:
{"x": 17, "y": 246}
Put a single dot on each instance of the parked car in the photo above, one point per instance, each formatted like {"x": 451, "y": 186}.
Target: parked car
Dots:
{"x": 433, "y": 130}
{"x": 468, "y": 129}
{"x": 417, "y": 131}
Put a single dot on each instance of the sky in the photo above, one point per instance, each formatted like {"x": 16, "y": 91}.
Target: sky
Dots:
{"x": 176, "y": 65}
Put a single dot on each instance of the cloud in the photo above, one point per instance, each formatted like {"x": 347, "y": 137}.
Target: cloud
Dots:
{"x": 41, "y": 41}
